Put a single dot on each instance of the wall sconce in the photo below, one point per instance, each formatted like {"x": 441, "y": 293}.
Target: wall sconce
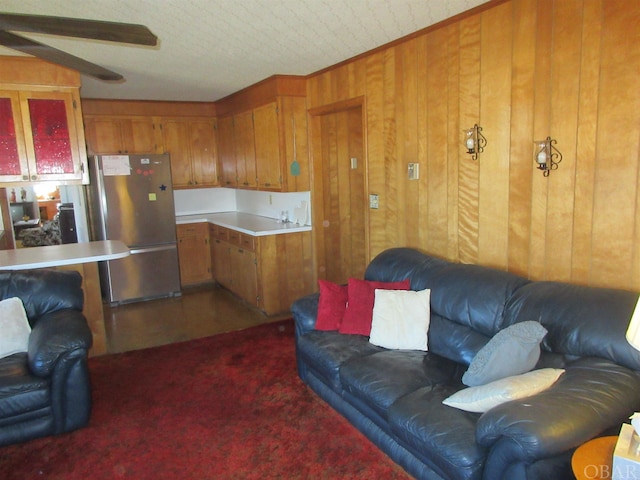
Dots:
{"x": 474, "y": 141}
{"x": 547, "y": 156}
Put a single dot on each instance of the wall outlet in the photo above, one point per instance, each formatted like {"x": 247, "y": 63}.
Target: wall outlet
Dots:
{"x": 373, "y": 201}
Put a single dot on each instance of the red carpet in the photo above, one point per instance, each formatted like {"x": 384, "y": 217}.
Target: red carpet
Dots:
{"x": 227, "y": 407}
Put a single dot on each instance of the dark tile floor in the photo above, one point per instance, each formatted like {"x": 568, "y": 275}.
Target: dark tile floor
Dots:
{"x": 199, "y": 312}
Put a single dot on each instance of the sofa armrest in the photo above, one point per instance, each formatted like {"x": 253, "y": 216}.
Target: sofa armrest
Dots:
{"x": 53, "y": 335}
{"x": 305, "y": 312}
{"x": 592, "y": 396}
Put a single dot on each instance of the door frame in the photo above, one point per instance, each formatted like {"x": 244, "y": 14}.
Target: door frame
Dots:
{"x": 317, "y": 181}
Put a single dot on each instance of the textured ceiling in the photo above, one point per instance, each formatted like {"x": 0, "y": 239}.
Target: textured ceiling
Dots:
{"x": 209, "y": 49}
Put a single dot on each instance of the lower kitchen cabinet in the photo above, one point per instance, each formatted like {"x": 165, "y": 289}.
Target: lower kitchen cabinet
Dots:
{"x": 194, "y": 253}
{"x": 244, "y": 274}
{"x": 234, "y": 262}
{"x": 268, "y": 272}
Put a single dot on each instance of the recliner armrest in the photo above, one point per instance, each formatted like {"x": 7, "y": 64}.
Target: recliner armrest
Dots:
{"x": 591, "y": 396}
{"x": 54, "y": 334}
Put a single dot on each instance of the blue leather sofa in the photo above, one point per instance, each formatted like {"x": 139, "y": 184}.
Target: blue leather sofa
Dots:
{"x": 395, "y": 396}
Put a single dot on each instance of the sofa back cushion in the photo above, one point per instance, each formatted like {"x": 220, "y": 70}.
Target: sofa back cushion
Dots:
{"x": 581, "y": 321}
{"x": 397, "y": 264}
{"x": 473, "y": 295}
{"x": 467, "y": 301}
{"x": 43, "y": 290}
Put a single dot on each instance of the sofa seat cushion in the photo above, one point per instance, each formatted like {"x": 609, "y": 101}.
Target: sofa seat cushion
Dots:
{"x": 20, "y": 391}
{"x": 380, "y": 379}
{"x": 442, "y": 437}
{"x": 325, "y": 352}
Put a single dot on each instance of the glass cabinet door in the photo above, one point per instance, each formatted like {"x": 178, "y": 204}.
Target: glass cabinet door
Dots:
{"x": 13, "y": 163}
{"x": 51, "y": 140}
{"x": 51, "y": 136}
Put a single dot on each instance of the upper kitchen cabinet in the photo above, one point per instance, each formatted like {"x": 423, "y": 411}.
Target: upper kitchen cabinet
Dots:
{"x": 227, "y": 152}
{"x": 245, "y": 149}
{"x": 108, "y": 134}
{"x": 269, "y": 133}
{"x": 41, "y": 133}
{"x": 191, "y": 142}
{"x": 267, "y": 146}
{"x": 185, "y": 130}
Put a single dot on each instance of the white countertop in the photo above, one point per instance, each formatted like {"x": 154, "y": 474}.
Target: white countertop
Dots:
{"x": 57, "y": 255}
{"x": 255, "y": 225}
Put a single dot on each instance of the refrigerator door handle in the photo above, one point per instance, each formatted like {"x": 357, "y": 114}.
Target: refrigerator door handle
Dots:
{"x": 158, "y": 248}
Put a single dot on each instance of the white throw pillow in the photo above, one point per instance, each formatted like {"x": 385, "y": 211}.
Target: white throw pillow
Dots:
{"x": 400, "y": 319}
{"x": 482, "y": 398}
{"x": 14, "y": 327}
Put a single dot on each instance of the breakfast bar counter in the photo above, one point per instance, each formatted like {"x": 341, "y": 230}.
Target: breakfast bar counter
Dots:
{"x": 59, "y": 255}
{"x": 82, "y": 257}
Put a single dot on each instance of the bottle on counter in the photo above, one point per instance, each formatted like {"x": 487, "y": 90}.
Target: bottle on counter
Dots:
{"x": 23, "y": 194}
{"x": 12, "y": 197}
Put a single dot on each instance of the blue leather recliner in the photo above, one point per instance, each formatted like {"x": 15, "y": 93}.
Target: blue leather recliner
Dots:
{"x": 46, "y": 390}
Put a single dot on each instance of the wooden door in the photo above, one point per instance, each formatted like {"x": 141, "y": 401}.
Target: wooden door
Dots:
{"x": 221, "y": 262}
{"x": 227, "y": 152}
{"x": 203, "y": 152}
{"x": 138, "y": 135}
{"x": 267, "y": 142}
{"x": 342, "y": 238}
{"x": 193, "y": 253}
{"x": 175, "y": 141}
{"x": 244, "y": 274}
{"x": 103, "y": 135}
{"x": 245, "y": 149}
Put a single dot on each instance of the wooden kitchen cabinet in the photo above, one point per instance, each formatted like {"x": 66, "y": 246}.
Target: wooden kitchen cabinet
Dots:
{"x": 244, "y": 274}
{"x": 191, "y": 142}
{"x": 42, "y": 136}
{"x": 221, "y": 270}
{"x": 243, "y": 137}
{"x": 268, "y": 272}
{"x": 267, "y": 147}
{"x": 120, "y": 134}
{"x": 234, "y": 263}
{"x": 227, "y": 152}
{"x": 252, "y": 149}
{"x": 194, "y": 253}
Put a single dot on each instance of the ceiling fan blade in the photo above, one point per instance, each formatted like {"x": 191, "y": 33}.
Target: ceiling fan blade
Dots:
{"x": 54, "y": 55}
{"x": 79, "y": 28}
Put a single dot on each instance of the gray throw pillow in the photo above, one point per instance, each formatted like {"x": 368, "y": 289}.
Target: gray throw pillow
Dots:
{"x": 511, "y": 351}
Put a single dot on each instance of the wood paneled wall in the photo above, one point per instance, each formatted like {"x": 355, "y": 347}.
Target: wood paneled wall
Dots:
{"x": 523, "y": 70}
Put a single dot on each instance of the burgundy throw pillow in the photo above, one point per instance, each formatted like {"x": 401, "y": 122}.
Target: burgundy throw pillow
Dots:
{"x": 359, "y": 313}
{"x": 331, "y": 305}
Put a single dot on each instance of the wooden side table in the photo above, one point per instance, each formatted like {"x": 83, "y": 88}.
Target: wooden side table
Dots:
{"x": 593, "y": 460}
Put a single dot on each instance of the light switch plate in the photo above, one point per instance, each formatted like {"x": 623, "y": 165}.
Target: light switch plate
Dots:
{"x": 373, "y": 201}
{"x": 413, "y": 171}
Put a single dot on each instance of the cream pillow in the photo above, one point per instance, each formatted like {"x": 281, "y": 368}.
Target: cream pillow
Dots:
{"x": 400, "y": 319}
{"x": 14, "y": 327}
{"x": 482, "y": 398}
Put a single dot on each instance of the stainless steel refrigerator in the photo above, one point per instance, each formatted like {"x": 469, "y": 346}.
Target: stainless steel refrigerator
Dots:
{"x": 130, "y": 198}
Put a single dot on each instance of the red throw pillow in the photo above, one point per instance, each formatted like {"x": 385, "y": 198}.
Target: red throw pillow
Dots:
{"x": 359, "y": 313}
{"x": 331, "y": 305}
